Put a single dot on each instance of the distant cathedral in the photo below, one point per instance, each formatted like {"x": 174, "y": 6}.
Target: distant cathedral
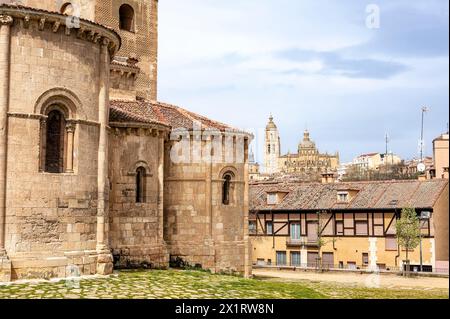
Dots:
{"x": 307, "y": 161}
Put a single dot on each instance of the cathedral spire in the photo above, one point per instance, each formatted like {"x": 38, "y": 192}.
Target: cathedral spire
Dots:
{"x": 306, "y": 135}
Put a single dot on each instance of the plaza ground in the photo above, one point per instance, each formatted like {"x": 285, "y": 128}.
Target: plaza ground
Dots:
{"x": 391, "y": 281}
{"x": 180, "y": 284}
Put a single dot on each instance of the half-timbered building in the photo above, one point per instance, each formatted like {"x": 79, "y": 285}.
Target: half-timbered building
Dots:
{"x": 353, "y": 223}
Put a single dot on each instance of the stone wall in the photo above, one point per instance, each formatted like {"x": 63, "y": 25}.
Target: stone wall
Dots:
{"x": 83, "y": 8}
{"x": 142, "y": 43}
{"x": 51, "y": 218}
{"x": 134, "y": 227}
{"x": 198, "y": 228}
{"x": 440, "y": 226}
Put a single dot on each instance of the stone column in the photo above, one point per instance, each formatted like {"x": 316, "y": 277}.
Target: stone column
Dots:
{"x": 42, "y": 142}
{"x": 104, "y": 261}
{"x": 161, "y": 158}
{"x": 209, "y": 241}
{"x": 70, "y": 128}
{"x": 161, "y": 186}
{"x": 247, "y": 243}
{"x": 5, "y": 47}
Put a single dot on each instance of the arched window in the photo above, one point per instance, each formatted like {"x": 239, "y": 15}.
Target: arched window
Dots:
{"x": 226, "y": 188}
{"x": 67, "y": 8}
{"x": 54, "y": 142}
{"x": 140, "y": 185}
{"x": 126, "y": 18}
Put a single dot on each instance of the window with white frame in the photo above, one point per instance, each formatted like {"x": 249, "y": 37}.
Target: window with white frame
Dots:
{"x": 272, "y": 199}
{"x": 295, "y": 258}
{"x": 252, "y": 227}
{"x": 295, "y": 231}
{"x": 281, "y": 258}
{"x": 269, "y": 228}
{"x": 342, "y": 197}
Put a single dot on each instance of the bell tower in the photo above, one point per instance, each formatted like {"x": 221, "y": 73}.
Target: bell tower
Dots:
{"x": 272, "y": 147}
{"x": 136, "y": 21}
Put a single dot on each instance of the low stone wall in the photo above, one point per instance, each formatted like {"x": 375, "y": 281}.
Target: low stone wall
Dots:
{"x": 155, "y": 257}
{"x": 72, "y": 264}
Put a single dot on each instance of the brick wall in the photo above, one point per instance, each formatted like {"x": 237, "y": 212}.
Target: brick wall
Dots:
{"x": 142, "y": 43}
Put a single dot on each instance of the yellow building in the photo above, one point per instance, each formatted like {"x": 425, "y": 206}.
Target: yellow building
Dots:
{"x": 440, "y": 154}
{"x": 356, "y": 222}
{"x": 308, "y": 159}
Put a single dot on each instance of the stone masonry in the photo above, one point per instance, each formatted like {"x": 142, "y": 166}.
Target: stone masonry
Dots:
{"x": 115, "y": 197}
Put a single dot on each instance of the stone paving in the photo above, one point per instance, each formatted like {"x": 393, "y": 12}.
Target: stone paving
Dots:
{"x": 174, "y": 284}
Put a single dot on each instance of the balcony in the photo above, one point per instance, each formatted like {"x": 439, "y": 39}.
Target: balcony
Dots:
{"x": 302, "y": 242}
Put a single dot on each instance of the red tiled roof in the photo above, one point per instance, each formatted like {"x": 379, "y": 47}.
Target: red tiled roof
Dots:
{"x": 369, "y": 195}
{"x": 368, "y": 154}
{"x": 142, "y": 111}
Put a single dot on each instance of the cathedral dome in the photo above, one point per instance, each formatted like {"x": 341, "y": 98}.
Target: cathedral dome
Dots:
{"x": 307, "y": 143}
{"x": 271, "y": 125}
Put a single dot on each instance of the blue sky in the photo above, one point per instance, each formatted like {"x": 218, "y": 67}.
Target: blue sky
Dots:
{"x": 314, "y": 64}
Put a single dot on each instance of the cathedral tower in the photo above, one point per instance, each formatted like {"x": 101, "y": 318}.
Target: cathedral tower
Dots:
{"x": 134, "y": 70}
{"x": 272, "y": 147}
{"x": 136, "y": 21}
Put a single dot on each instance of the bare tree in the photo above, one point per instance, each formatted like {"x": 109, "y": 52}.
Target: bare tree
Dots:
{"x": 321, "y": 242}
{"x": 408, "y": 232}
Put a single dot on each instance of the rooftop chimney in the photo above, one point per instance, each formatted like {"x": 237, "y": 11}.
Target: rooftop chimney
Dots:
{"x": 422, "y": 177}
{"x": 328, "y": 178}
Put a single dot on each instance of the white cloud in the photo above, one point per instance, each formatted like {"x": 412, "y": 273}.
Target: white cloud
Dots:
{"x": 219, "y": 58}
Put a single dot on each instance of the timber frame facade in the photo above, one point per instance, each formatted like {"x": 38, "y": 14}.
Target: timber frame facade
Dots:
{"x": 354, "y": 222}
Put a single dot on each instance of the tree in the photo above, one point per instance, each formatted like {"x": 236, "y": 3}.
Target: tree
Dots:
{"x": 408, "y": 231}
{"x": 388, "y": 171}
{"x": 320, "y": 241}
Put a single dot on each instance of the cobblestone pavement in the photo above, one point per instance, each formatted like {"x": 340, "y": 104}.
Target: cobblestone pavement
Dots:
{"x": 174, "y": 284}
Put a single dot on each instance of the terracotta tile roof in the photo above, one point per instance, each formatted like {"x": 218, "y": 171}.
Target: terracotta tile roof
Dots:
{"x": 135, "y": 112}
{"x": 369, "y": 195}
{"x": 143, "y": 111}
{"x": 368, "y": 154}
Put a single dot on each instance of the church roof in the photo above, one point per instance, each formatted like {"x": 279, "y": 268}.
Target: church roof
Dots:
{"x": 142, "y": 111}
{"x": 394, "y": 194}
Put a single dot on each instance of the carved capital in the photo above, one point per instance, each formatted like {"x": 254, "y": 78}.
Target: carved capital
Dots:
{"x": 6, "y": 20}
{"x": 70, "y": 127}
{"x": 43, "y": 121}
{"x": 105, "y": 41}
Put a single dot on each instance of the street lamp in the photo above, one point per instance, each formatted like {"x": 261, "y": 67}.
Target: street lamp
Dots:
{"x": 425, "y": 215}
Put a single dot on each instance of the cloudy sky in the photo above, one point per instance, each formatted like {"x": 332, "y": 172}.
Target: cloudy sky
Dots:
{"x": 313, "y": 64}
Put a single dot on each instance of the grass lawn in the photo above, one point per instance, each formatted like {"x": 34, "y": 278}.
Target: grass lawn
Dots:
{"x": 174, "y": 284}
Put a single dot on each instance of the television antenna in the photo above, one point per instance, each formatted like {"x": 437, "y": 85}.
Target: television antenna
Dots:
{"x": 424, "y": 110}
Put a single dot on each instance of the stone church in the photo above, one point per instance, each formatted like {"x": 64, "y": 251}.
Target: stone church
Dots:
{"x": 88, "y": 180}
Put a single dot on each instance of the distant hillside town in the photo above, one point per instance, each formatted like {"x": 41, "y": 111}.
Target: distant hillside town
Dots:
{"x": 308, "y": 164}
